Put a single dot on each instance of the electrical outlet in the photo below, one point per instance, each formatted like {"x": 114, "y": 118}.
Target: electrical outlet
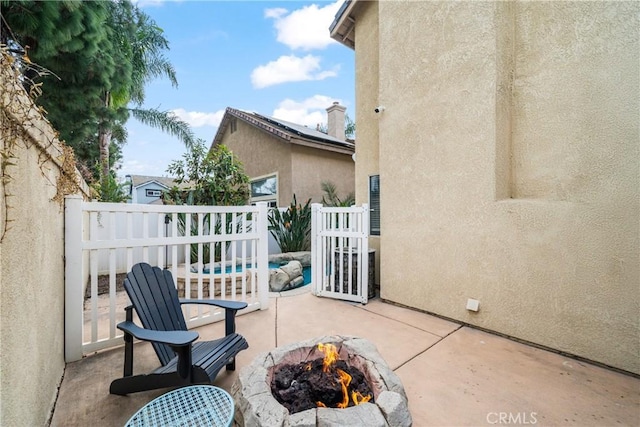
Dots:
{"x": 473, "y": 304}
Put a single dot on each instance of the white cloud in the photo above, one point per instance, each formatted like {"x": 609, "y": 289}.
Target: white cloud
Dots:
{"x": 306, "y": 28}
{"x": 290, "y": 68}
{"x": 309, "y": 112}
{"x": 199, "y": 119}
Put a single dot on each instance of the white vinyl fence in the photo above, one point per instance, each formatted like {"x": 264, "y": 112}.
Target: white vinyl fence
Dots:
{"x": 227, "y": 247}
{"x": 340, "y": 252}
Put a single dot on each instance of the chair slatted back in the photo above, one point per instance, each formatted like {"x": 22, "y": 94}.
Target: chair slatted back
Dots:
{"x": 155, "y": 299}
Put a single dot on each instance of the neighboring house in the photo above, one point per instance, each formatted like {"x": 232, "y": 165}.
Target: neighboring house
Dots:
{"x": 283, "y": 158}
{"x": 147, "y": 189}
{"x": 505, "y": 164}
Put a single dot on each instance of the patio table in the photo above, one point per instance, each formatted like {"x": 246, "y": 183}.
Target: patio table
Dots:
{"x": 199, "y": 405}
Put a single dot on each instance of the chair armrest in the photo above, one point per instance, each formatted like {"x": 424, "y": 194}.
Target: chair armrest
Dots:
{"x": 230, "y": 310}
{"x": 173, "y": 338}
{"x": 231, "y": 305}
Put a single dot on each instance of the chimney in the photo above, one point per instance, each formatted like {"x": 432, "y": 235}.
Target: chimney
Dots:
{"x": 335, "y": 121}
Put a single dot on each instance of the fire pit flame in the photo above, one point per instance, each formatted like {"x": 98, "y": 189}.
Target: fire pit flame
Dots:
{"x": 345, "y": 380}
{"x": 331, "y": 355}
{"x": 359, "y": 398}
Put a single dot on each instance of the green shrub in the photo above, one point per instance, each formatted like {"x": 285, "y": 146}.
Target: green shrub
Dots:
{"x": 292, "y": 228}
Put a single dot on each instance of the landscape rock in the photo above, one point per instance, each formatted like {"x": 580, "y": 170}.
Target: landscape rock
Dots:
{"x": 395, "y": 409}
{"x": 284, "y": 278}
{"x": 303, "y": 256}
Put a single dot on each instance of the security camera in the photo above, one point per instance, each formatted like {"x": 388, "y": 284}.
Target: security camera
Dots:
{"x": 379, "y": 109}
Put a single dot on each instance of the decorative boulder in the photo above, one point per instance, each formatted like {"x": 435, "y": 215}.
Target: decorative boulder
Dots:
{"x": 304, "y": 258}
{"x": 286, "y": 277}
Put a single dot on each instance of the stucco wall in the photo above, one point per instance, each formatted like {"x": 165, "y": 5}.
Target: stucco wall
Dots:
{"x": 367, "y": 81}
{"x": 310, "y": 167}
{"x": 31, "y": 265}
{"x": 511, "y": 167}
{"x": 262, "y": 154}
{"x": 300, "y": 169}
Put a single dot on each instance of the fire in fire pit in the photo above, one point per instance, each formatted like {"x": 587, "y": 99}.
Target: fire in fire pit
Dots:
{"x": 324, "y": 382}
{"x": 268, "y": 391}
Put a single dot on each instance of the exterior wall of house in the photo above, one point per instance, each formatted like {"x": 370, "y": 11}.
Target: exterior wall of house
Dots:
{"x": 262, "y": 154}
{"x": 311, "y": 166}
{"x": 300, "y": 169}
{"x": 367, "y": 82}
{"x": 141, "y": 192}
{"x": 31, "y": 262}
{"x": 510, "y": 171}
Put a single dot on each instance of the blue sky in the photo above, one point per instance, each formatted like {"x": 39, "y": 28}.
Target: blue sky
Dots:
{"x": 272, "y": 57}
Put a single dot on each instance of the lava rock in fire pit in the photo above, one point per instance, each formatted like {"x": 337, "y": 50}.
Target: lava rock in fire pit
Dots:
{"x": 278, "y": 376}
{"x": 309, "y": 385}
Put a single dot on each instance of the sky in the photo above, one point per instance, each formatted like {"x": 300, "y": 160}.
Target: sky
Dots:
{"x": 271, "y": 57}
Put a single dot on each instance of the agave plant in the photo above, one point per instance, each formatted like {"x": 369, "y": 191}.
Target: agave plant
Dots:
{"x": 292, "y": 227}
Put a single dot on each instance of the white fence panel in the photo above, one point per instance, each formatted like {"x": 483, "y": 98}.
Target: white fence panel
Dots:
{"x": 228, "y": 247}
{"x": 340, "y": 252}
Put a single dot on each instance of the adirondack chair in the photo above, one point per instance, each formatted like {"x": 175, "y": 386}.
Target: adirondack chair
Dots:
{"x": 153, "y": 295}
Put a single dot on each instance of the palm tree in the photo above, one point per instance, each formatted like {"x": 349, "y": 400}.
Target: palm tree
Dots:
{"x": 331, "y": 198}
{"x": 142, "y": 45}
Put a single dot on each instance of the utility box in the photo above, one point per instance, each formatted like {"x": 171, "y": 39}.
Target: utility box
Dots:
{"x": 342, "y": 272}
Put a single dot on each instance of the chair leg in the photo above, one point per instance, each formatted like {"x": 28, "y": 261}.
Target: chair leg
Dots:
{"x": 231, "y": 366}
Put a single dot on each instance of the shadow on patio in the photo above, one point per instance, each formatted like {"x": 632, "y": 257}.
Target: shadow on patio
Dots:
{"x": 453, "y": 375}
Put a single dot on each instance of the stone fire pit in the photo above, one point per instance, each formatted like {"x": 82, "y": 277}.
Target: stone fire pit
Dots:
{"x": 256, "y": 406}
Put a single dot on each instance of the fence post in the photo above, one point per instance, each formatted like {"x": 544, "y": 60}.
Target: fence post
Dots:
{"x": 364, "y": 268}
{"x": 316, "y": 249}
{"x": 73, "y": 278}
{"x": 263, "y": 255}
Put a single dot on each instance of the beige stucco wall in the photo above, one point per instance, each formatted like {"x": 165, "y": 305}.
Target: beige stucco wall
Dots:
{"x": 31, "y": 266}
{"x": 367, "y": 81}
{"x": 300, "y": 169}
{"x": 311, "y": 166}
{"x": 511, "y": 149}
{"x": 262, "y": 154}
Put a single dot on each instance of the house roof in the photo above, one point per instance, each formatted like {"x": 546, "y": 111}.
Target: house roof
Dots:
{"x": 291, "y": 132}
{"x": 341, "y": 29}
{"x": 139, "y": 180}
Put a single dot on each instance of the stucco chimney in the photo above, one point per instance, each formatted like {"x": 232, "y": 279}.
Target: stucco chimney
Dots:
{"x": 335, "y": 121}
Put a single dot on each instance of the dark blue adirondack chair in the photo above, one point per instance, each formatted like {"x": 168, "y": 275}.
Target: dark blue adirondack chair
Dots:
{"x": 153, "y": 295}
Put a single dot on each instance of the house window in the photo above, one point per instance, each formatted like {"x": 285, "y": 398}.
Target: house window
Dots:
{"x": 153, "y": 193}
{"x": 265, "y": 189}
{"x": 374, "y": 205}
{"x": 233, "y": 125}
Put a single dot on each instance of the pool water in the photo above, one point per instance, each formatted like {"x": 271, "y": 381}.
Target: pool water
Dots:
{"x": 306, "y": 271}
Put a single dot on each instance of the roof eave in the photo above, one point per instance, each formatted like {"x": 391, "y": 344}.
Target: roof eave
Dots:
{"x": 341, "y": 29}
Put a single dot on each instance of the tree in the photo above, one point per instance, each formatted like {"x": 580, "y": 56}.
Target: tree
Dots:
{"x": 142, "y": 45}
{"x": 101, "y": 55}
{"x": 207, "y": 177}
{"x": 203, "y": 177}
{"x": 349, "y": 127}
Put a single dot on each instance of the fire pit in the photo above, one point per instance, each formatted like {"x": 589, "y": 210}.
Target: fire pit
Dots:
{"x": 328, "y": 381}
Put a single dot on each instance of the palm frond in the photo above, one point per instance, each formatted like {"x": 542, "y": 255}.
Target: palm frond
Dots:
{"x": 167, "y": 122}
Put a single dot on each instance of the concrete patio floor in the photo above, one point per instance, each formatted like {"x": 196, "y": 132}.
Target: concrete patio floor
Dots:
{"x": 453, "y": 375}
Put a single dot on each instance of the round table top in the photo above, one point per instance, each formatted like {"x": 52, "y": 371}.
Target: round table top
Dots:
{"x": 199, "y": 405}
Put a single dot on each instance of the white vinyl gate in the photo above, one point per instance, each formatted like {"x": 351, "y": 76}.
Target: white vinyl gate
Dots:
{"x": 340, "y": 252}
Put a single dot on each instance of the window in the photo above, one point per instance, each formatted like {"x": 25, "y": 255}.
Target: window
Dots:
{"x": 233, "y": 125}
{"x": 265, "y": 189}
{"x": 153, "y": 193}
{"x": 374, "y": 205}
